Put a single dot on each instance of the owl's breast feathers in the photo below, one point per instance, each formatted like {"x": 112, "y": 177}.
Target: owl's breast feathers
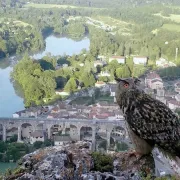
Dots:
{"x": 151, "y": 119}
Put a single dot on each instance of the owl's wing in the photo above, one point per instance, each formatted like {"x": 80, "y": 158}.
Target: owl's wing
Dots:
{"x": 152, "y": 120}
{"x": 141, "y": 146}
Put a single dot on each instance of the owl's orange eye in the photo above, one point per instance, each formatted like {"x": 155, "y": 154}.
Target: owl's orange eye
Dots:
{"x": 126, "y": 85}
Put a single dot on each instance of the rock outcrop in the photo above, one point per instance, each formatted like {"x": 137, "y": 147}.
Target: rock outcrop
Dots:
{"x": 74, "y": 162}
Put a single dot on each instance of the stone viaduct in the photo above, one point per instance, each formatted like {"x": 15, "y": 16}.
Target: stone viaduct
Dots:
{"x": 47, "y": 124}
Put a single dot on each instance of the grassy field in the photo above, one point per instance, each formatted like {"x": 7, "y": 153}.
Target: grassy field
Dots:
{"x": 111, "y": 21}
{"x": 122, "y": 26}
{"x": 172, "y": 27}
{"x": 172, "y": 17}
{"x": 175, "y": 18}
{"x": 21, "y": 23}
{"x": 12, "y": 22}
{"x": 48, "y": 6}
{"x": 43, "y": 6}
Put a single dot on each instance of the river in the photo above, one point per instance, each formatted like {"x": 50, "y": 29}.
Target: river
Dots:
{"x": 10, "y": 101}
{"x": 5, "y": 166}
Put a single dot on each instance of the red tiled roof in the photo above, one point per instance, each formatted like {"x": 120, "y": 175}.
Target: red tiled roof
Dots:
{"x": 101, "y": 116}
{"x": 156, "y": 80}
{"x": 55, "y": 109}
{"x": 174, "y": 102}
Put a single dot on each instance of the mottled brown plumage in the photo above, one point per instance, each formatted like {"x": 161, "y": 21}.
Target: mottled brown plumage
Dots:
{"x": 150, "y": 121}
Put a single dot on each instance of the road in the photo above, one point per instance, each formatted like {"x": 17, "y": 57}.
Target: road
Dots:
{"x": 161, "y": 163}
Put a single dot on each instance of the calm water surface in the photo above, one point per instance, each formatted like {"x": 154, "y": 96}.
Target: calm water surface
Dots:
{"x": 10, "y": 101}
{"x": 5, "y": 166}
{"x": 59, "y": 46}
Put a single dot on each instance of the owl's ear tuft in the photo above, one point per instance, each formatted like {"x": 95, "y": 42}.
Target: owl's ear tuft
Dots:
{"x": 136, "y": 80}
{"x": 121, "y": 80}
{"x": 118, "y": 79}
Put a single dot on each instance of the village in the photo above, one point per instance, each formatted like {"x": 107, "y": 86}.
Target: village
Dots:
{"x": 152, "y": 83}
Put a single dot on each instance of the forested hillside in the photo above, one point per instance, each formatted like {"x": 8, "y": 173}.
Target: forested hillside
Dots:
{"x": 108, "y": 3}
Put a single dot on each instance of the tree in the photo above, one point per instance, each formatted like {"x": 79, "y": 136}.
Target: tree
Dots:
{"x": 3, "y": 147}
{"x": 37, "y": 144}
{"x": 121, "y": 146}
{"x": 71, "y": 85}
{"x": 14, "y": 138}
{"x": 36, "y": 83}
{"x": 13, "y": 153}
{"x": 123, "y": 72}
{"x": 87, "y": 79}
{"x": 48, "y": 142}
{"x": 3, "y": 48}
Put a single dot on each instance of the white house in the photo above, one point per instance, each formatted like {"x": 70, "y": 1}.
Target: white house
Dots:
{"x": 173, "y": 104}
{"x": 62, "y": 93}
{"x": 118, "y": 131}
{"x": 31, "y": 112}
{"x": 119, "y": 59}
{"x": 99, "y": 63}
{"x": 161, "y": 95}
{"x": 101, "y": 57}
{"x": 65, "y": 65}
{"x": 61, "y": 140}
{"x": 177, "y": 87}
{"x": 163, "y": 63}
{"x": 177, "y": 97}
{"x": 81, "y": 64}
{"x": 112, "y": 89}
{"x": 104, "y": 73}
{"x": 140, "y": 60}
{"x": 154, "y": 81}
{"x": 37, "y": 136}
{"x": 18, "y": 114}
{"x": 100, "y": 84}
{"x": 157, "y": 84}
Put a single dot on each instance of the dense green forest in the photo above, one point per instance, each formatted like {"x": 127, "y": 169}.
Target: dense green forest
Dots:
{"x": 12, "y": 150}
{"x": 140, "y": 31}
{"x": 17, "y": 36}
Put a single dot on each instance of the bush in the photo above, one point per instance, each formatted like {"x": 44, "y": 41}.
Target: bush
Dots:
{"x": 102, "y": 162}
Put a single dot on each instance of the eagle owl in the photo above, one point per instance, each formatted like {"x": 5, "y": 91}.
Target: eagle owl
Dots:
{"x": 150, "y": 122}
